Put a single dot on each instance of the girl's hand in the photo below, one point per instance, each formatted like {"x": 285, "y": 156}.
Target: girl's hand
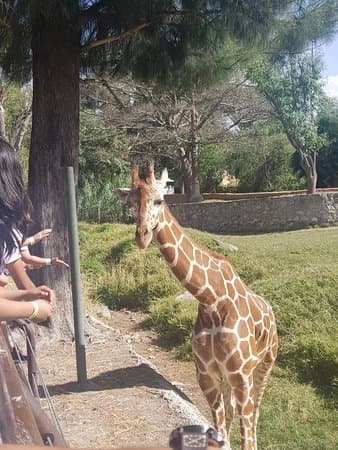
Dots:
{"x": 42, "y": 234}
{"x": 44, "y": 311}
{"x": 41, "y": 292}
{"x": 4, "y": 280}
{"x": 60, "y": 262}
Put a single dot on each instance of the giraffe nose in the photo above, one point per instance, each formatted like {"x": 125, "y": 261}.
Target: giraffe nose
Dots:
{"x": 143, "y": 237}
{"x": 140, "y": 232}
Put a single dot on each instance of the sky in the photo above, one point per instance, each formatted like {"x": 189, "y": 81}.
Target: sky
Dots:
{"x": 330, "y": 72}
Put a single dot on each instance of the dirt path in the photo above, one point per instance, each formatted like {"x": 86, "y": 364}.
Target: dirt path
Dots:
{"x": 137, "y": 392}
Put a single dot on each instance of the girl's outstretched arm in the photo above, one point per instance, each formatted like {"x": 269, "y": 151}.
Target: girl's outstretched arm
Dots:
{"x": 37, "y": 237}
{"x": 19, "y": 275}
{"x": 37, "y": 262}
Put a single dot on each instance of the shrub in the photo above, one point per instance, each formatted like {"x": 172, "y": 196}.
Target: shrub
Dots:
{"x": 174, "y": 320}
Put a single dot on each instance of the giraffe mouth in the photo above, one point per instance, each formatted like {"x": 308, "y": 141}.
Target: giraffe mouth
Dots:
{"x": 143, "y": 240}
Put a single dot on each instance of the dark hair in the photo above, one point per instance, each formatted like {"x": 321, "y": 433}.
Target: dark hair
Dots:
{"x": 15, "y": 206}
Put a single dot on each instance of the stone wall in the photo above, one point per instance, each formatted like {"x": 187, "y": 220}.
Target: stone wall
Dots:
{"x": 259, "y": 215}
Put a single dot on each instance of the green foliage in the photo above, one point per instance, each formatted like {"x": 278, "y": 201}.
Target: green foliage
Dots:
{"x": 120, "y": 275}
{"x": 98, "y": 202}
{"x": 306, "y": 22}
{"x": 260, "y": 158}
{"x": 174, "y": 320}
{"x": 211, "y": 165}
{"x": 103, "y": 168}
{"x": 327, "y": 161}
{"x": 202, "y": 45}
{"x": 101, "y": 152}
{"x": 17, "y": 101}
{"x": 293, "y": 88}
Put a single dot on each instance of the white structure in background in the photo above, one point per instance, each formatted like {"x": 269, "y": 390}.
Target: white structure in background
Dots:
{"x": 228, "y": 180}
{"x": 331, "y": 86}
{"x": 230, "y": 125}
{"x": 169, "y": 187}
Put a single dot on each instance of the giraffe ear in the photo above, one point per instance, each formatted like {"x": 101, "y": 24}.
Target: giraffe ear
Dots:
{"x": 162, "y": 181}
{"x": 123, "y": 194}
{"x": 135, "y": 178}
{"x": 149, "y": 173}
{"x": 164, "y": 177}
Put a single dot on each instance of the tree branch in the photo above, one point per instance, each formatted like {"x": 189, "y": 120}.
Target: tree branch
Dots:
{"x": 121, "y": 36}
{"x": 91, "y": 12}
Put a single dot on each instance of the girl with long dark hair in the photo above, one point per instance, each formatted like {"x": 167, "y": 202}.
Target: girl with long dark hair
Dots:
{"x": 15, "y": 216}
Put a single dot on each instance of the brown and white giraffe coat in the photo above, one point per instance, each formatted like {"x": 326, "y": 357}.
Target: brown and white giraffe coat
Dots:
{"x": 234, "y": 339}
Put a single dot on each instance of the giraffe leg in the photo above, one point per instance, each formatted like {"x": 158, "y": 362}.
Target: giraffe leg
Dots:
{"x": 214, "y": 397}
{"x": 243, "y": 391}
{"x": 260, "y": 376}
{"x": 229, "y": 406}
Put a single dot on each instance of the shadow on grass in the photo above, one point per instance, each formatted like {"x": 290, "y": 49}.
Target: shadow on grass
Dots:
{"x": 170, "y": 340}
{"x": 136, "y": 299}
{"x": 120, "y": 250}
{"x": 314, "y": 365}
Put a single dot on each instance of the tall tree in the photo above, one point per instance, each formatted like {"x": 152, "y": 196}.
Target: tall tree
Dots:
{"x": 260, "y": 158}
{"x": 327, "y": 158}
{"x": 327, "y": 161}
{"x": 293, "y": 88}
{"x": 55, "y": 38}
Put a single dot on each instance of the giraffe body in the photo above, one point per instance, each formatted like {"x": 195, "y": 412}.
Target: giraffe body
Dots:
{"x": 234, "y": 340}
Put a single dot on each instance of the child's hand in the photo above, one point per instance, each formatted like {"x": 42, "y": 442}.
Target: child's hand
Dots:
{"x": 42, "y": 310}
{"x": 41, "y": 292}
{"x": 60, "y": 262}
{"x": 42, "y": 234}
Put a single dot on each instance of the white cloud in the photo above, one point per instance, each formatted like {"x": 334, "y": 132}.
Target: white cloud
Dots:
{"x": 331, "y": 86}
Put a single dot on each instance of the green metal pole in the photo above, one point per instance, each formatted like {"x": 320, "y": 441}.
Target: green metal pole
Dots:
{"x": 78, "y": 308}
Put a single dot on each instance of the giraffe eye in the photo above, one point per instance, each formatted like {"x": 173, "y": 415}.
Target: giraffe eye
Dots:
{"x": 158, "y": 202}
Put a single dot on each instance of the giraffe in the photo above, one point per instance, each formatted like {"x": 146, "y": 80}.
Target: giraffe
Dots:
{"x": 234, "y": 339}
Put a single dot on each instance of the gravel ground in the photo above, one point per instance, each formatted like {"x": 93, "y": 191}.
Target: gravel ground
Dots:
{"x": 127, "y": 402}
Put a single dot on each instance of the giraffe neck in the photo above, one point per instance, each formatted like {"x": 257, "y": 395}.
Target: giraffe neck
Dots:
{"x": 195, "y": 268}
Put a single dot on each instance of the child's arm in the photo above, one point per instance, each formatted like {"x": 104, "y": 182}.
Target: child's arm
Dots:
{"x": 37, "y": 311}
{"x": 37, "y": 237}
{"x": 41, "y": 292}
{"x": 19, "y": 275}
{"x": 36, "y": 261}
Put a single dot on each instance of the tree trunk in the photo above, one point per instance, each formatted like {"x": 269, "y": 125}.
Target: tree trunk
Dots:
{"x": 195, "y": 182}
{"x": 195, "y": 195}
{"x": 21, "y": 130}
{"x": 2, "y": 114}
{"x": 2, "y": 122}
{"x": 308, "y": 163}
{"x": 54, "y": 145}
{"x": 186, "y": 172}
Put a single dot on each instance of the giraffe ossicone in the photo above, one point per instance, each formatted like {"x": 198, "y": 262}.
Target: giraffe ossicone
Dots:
{"x": 234, "y": 340}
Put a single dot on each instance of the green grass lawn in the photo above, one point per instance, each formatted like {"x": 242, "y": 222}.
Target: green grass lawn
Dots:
{"x": 296, "y": 271}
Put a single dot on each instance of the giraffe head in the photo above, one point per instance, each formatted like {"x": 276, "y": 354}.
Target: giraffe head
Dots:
{"x": 145, "y": 198}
